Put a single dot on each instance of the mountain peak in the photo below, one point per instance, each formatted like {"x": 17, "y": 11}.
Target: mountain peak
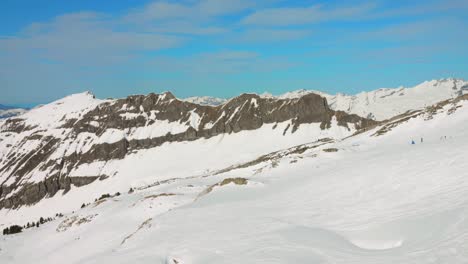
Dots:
{"x": 167, "y": 95}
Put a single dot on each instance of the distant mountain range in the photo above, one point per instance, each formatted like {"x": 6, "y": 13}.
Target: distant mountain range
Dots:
{"x": 9, "y": 111}
{"x": 378, "y": 104}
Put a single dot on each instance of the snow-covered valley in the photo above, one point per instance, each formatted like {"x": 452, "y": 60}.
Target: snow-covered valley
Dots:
{"x": 334, "y": 194}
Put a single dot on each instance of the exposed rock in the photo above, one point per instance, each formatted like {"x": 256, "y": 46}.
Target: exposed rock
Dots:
{"x": 236, "y": 181}
{"x": 74, "y": 221}
{"x": 32, "y": 193}
{"x": 330, "y": 150}
{"x": 145, "y": 224}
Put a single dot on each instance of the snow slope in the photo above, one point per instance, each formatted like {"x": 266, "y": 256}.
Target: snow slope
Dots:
{"x": 369, "y": 198}
{"x": 48, "y": 121}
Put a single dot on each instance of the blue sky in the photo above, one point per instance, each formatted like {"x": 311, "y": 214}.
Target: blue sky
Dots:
{"x": 49, "y": 49}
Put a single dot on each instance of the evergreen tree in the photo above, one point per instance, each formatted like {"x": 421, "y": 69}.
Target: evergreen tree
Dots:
{"x": 15, "y": 229}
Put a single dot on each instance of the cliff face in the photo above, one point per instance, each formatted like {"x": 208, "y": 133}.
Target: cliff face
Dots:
{"x": 41, "y": 148}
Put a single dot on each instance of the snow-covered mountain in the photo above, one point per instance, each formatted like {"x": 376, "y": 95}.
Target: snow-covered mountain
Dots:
{"x": 81, "y": 140}
{"x": 379, "y": 104}
{"x": 385, "y": 103}
{"x": 206, "y": 100}
{"x": 258, "y": 193}
{"x": 8, "y": 111}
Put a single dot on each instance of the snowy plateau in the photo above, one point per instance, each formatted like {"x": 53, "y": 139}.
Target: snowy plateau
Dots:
{"x": 304, "y": 177}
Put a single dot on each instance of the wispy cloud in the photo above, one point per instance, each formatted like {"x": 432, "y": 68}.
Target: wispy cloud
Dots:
{"x": 81, "y": 38}
{"x": 231, "y": 62}
{"x": 198, "y": 10}
{"x": 229, "y": 55}
{"x": 435, "y": 29}
{"x": 286, "y": 16}
{"x": 423, "y": 8}
{"x": 270, "y": 35}
{"x": 183, "y": 28}
{"x": 362, "y": 11}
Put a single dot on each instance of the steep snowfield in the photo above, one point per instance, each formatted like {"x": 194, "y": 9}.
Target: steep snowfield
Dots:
{"x": 55, "y": 114}
{"x": 46, "y": 120}
{"x": 364, "y": 199}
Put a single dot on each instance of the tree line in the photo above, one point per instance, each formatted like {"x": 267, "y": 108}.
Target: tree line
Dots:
{"x": 14, "y": 229}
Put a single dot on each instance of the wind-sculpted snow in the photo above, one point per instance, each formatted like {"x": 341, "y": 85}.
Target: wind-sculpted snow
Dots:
{"x": 376, "y": 198}
{"x": 78, "y": 139}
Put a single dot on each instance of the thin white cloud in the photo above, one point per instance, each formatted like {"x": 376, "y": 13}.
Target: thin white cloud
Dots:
{"x": 286, "y": 16}
{"x": 220, "y": 62}
{"x": 158, "y": 11}
{"x": 436, "y": 30}
{"x": 365, "y": 10}
{"x": 423, "y": 8}
{"x": 82, "y": 38}
{"x": 229, "y": 55}
{"x": 223, "y": 7}
{"x": 199, "y": 10}
{"x": 262, "y": 35}
{"x": 183, "y": 28}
